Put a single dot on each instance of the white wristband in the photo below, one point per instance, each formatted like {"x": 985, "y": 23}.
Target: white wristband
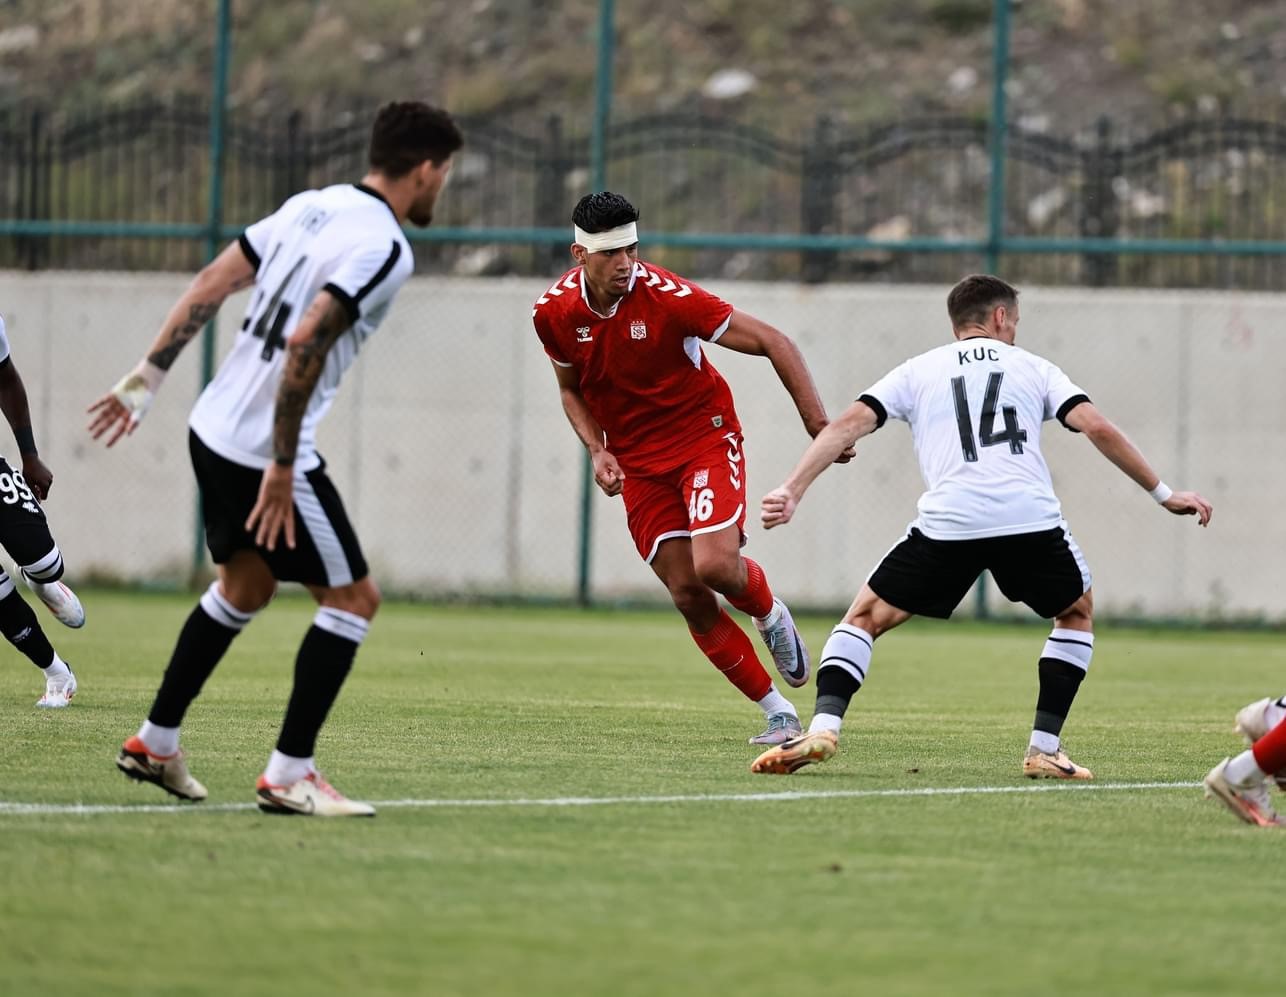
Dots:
{"x": 137, "y": 389}
{"x": 1161, "y": 492}
{"x": 151, "y": 374}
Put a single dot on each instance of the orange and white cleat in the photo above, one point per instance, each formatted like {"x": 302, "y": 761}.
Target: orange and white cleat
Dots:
{"x": 1039, "y": 764}
{"x": 792, "y": 755}
{"x": 1248, "y": 801}
{"x": 311, "y": 796}
{"x": 170, "y": 772}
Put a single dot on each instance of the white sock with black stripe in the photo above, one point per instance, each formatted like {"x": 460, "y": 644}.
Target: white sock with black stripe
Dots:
{"x": 218, "y": 608}
{"x": 1064, "y": 662}
{"x": 846, "y": 658}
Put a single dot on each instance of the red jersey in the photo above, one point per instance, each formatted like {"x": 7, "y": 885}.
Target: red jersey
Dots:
{"x": 641, "y": 369}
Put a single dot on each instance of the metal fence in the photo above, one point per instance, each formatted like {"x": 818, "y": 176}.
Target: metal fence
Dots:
{"x": 159, "y": 185}
{"x": 903, "y": 183}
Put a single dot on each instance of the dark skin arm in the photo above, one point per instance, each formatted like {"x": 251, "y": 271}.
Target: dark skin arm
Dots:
{"x": 306, "y": 350}
{"x": 13, "y": 403}
{"x": 607, "y": 473}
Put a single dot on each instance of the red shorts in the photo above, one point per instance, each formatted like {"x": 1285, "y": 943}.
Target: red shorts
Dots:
{"x": 704, "y": 495}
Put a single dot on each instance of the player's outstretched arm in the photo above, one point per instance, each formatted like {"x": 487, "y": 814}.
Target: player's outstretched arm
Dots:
{"x": 858, "y": 420}
{"x": 1116, "y": 447}
{"x": 607, "y": 473}
{"x": 321, "y": 326}
{"x": 747, "y": 334}
{"x": 120, "y": 410}
{"x": 13, "y": 402}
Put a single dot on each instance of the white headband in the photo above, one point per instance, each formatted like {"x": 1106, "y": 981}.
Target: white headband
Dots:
{"x": 612, "y": 238}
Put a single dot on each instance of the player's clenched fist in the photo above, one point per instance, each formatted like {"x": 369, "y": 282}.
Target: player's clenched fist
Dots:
{"x": 608, "y": 473}
{"x": 777, "y": 508}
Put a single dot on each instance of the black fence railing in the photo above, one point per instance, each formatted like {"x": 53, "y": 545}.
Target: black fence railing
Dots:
{"x": 1206, "y": 178}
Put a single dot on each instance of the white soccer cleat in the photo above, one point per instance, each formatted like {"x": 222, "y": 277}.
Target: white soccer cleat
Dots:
{"x": 58, "y": 691}
{"x": 1247, "y": 800}
{"x": 785, "y": 645}
{"x": 311, "y": 796}
{"x": 170, "y": 772}
{"x": 60, "y": 599}
{"x": 782, "y": 727}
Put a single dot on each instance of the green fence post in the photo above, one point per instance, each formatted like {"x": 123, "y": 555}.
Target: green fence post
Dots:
{"x": 598, "y": 167}
{"x": 214, "y": 219}
{"x": 996, "y": 186}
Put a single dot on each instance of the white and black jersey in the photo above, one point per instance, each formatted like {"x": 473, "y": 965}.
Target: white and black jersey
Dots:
{"x": 4, "y": 342}
{"x": 343, "y": 239}
{"x": 976, "y": 407}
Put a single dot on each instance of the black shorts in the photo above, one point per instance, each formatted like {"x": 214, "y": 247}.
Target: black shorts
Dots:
{"x": 24, "y": 531}
{"x": 928, "y": 577}
{"x": 326, "y": 548}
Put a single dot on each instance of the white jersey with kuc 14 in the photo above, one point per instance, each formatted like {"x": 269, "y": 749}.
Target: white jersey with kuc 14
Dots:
{"x": 976, "y": 407}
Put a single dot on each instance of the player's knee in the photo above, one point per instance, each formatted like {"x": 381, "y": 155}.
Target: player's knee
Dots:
{"x": 1079, "y": 615}
{"x": 247, "y": 595}
{"x": 691, "y": 598}
{"x": 719, "y": 573}
{"x": 361, "y": 598}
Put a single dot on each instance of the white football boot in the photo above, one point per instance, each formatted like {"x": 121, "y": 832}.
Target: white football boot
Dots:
{"x": 60, "y": 599}
{"x": 311, "y": 796}
{"x": 784, "y": 644}
{"x": 58, "y": 691}
{"x": 170, "y": 772}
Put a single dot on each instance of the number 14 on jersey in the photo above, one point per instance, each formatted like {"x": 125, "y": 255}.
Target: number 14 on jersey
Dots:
{"x": 987, "y": 435}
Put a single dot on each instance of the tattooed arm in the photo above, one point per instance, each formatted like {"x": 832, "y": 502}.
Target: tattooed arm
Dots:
{"x": 325, "y": 321}
{"x": 118, "y": 412}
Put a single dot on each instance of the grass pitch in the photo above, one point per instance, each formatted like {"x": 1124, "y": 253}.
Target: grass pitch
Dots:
{"x": 1033, "y": 888}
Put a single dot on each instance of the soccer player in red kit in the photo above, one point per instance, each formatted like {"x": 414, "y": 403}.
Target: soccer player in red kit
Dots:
{"x": 1241, "y": 783}
{"x": 658, "y": 421}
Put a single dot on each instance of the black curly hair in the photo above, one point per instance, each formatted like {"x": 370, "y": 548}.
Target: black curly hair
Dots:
{"x": 406, "y": 133}
{"x": 604, "y": 210}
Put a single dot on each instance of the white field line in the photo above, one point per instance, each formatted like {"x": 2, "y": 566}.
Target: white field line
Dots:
{"x": 94, "y": 810}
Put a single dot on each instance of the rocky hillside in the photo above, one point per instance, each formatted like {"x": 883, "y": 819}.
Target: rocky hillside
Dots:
{"x": 769, "y": 63}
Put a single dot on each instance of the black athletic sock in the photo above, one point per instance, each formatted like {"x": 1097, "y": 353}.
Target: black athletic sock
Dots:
{"x": 1059, "y": 681}
{"x": 322, "y": 665}
{"x": 201, "y": 645}
{"x": 21, "y": 629}
{"x": 835, "y": 688}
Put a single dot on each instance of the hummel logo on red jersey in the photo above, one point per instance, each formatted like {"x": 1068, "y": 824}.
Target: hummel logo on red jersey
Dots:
{"x": 638, "y": 330}
{"x": 582, "y": 334}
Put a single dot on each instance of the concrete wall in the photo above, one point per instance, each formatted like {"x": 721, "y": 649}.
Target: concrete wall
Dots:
{"x": 461, "y": 474}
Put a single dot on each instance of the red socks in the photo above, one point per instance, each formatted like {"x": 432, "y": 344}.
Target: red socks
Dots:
{"x": 1270, "y": 750}
{"x": 756, "y": 598}
{"x": 730, "y": 651}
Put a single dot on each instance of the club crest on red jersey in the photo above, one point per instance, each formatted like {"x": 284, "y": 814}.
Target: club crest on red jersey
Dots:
{"x": 638, "y": 329}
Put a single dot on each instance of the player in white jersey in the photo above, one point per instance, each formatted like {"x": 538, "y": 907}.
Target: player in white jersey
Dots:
{"x": 975, "y": 407}
{"x": 325, "y": 266}
{"x": 24, "y": 534}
